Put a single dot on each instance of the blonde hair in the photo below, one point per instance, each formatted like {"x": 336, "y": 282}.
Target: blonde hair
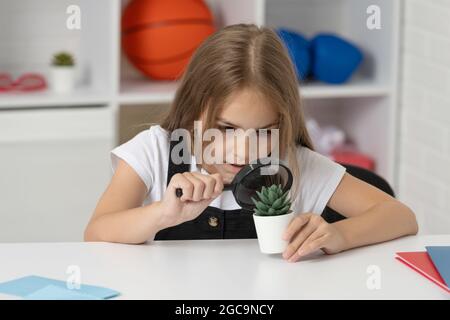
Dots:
{"x": 236, "y": 57}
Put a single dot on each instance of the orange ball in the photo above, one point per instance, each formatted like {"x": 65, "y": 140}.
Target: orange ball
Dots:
{"x": 160, "y": 36}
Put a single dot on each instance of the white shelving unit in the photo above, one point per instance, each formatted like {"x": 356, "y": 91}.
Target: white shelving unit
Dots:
{"x": 366, "y": 107}
{"x": 144, "y": 92}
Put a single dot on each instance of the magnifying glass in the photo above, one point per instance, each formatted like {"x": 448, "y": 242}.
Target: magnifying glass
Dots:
{"x": 252, "y": 177}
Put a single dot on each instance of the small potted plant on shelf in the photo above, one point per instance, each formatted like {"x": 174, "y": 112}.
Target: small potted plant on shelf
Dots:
{"x": 272, "y": 215}
{"x": 63, "y": 72}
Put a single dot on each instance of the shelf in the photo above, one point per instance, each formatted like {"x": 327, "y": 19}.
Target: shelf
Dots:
{"x": 152, "y": 92}
{"x": 47, "y": 98}
{"x": 148, "y": 92}
{"x": 353, "y": 89}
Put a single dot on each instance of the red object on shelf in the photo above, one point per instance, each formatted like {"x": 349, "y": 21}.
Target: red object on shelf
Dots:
{"x": 6, "y": 82}
{"x": 353, "y": 158}
{"x": 26, "y": 82}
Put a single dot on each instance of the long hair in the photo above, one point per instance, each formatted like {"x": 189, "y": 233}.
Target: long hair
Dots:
{"x": 237, "y": 57}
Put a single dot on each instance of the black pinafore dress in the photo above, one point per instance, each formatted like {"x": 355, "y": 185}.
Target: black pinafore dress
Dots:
{"x": 212, "y": 223}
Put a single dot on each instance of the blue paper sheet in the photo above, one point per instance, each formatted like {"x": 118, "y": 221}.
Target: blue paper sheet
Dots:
{"x": 52, "y": 292}
{"x": 440, "y": 255}
{"x": 39, "y": 286}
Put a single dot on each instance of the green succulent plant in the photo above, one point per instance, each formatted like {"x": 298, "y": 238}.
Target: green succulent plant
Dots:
{"x": 272, "y": 201}
{"x": 63, "y": 59}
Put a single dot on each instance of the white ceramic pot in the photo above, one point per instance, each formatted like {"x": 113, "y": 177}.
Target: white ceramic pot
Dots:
{"x": 270, "y": 229}
{"x": 62, "y": 79}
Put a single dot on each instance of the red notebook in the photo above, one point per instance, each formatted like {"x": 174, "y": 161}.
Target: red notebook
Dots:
{"x": 421, "y": 262}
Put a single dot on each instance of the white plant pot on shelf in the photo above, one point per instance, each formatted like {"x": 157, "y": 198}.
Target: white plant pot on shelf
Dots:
{"x": 270, "y": 230}
{"x": 62, "y": 79}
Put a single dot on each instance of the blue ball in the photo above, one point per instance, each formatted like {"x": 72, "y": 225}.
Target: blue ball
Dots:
{"x": 334, "y": 59}
{"x": 299, "y": 51}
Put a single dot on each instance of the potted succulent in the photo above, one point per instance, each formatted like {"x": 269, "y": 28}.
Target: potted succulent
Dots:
{"x": 272, "y": 215}
{"x": 63, "y": 72}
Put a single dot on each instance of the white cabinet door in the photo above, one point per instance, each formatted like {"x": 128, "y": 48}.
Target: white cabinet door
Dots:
{"x": 54, "y": 165}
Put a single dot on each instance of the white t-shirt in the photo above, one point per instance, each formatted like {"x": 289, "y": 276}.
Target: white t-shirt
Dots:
{"x": 148, "y": 154}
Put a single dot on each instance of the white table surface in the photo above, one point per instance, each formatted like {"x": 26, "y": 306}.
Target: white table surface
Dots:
{"x": 225, "y": 269}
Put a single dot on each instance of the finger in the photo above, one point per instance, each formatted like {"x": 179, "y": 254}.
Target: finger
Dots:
{"x": 180, "y": 181}
{"x": 313, "y": 245}
{"x": 306, "y": 248}
{"x": 298, "y": 239}
{"x": 209, "y": 183}
{"x": 199, "y": 186}
{"x": 296, "y": 224}
{"x": 218, "y": 188}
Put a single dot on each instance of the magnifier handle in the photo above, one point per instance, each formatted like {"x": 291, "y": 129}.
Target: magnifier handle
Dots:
{"x": 179, "y": 191}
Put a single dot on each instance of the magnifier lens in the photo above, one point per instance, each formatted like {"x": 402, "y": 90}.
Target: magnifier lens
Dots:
{"x": 256, "y": 179}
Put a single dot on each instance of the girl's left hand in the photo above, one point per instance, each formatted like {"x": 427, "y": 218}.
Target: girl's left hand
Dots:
{"x": 309, "y": 232}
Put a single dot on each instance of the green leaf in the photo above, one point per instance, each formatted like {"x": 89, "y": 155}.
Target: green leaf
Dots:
{"x": 261, "y": 213}
{"x": 279, "y": 190}
{"x": 261, "y": 206}
{"x": 286, "y": 199}
{"x": 262, "y": 197}
{"x": 272, "y": 197}
{"x": 264, "y": 190}
{"x": 277, "y": 204}
{"x": 286, "y": 202}
{"x": 284, "y": 210}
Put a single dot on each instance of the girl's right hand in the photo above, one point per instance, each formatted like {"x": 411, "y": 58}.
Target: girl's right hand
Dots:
{"x": 198, "y": 192}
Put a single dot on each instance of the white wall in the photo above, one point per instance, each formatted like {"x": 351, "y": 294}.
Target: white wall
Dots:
{"x": 425, "y": 113}
{"x": 27, "y": 43}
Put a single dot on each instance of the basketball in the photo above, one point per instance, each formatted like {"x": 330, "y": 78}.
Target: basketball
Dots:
{"x": 160, "y": 36}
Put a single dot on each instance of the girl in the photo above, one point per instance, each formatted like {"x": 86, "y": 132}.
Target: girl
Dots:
{"x": 239, "y": 78}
